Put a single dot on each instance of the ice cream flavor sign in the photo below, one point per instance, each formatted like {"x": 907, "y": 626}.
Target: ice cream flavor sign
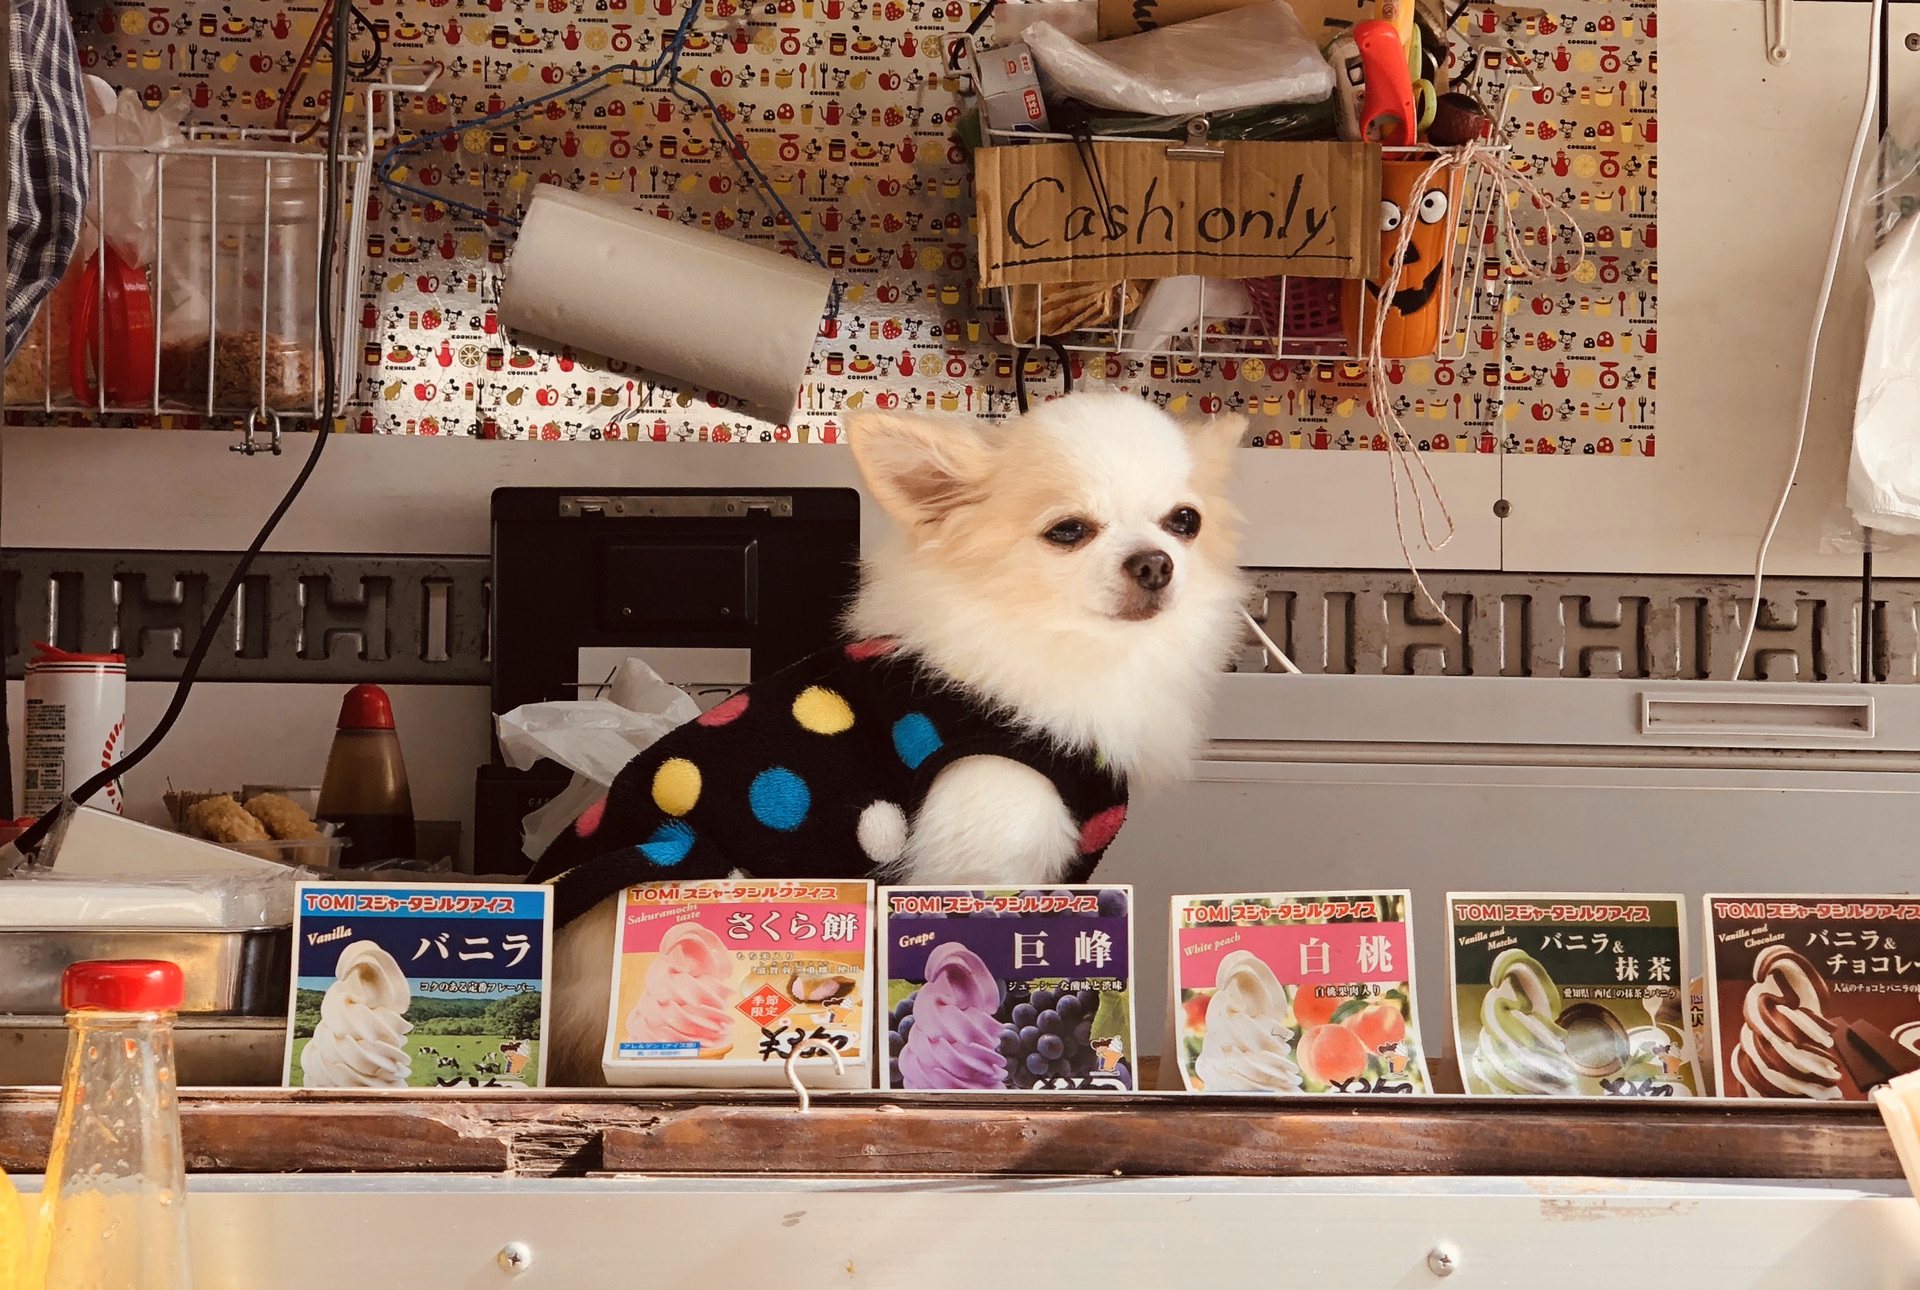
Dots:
{"x": 1296, "y": 992}
{"x": 1813, "y": 998}
{"x": 1571, "y": 995}
{"x": 718, "y": 984}
{"x": 431, "y": 986}
{"x": 990, "y": 991}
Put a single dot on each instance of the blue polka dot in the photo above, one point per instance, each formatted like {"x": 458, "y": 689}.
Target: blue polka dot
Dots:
{"x": 915, "y": 739}
{"x": 779, "y": 799}
{"x": 669, "y": 844}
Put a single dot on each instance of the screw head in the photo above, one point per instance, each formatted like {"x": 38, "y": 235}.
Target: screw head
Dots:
{"x": 515, "y": 1256}
{"x": 1913, "y": 41}
{"x": 1502, "y": 509}
{"x": 1443, "y": 1260}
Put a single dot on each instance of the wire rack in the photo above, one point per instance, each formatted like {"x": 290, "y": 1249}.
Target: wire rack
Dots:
{"x": 235, "y": 334}
{"x": 1290, "y": 318}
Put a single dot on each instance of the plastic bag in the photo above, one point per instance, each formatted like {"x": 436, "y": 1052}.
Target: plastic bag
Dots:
{"x": 1242, "y": 58}
{"x": 1176, "y": 306}
{"x": 130, "y": 208}
{"x": 1883, "y": 475}
{"x": 593, "y": 738}
{"x": 1079, "y": 19}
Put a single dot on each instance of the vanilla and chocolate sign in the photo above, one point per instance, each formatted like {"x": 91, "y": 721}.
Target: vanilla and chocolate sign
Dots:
{"x": 1259, "y": 210}
{"x": 1814, "y": 998}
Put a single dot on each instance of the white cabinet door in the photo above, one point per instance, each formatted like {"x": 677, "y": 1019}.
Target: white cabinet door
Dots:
{"x": 1751, "y": 158}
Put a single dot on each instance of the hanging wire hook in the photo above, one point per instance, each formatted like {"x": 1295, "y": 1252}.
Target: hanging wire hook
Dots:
{"x": 793, "y": 1075}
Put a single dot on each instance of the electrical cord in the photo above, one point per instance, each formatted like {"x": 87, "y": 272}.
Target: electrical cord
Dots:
{"x": 210, "y": 630}
{"x": 1869, "y": 110}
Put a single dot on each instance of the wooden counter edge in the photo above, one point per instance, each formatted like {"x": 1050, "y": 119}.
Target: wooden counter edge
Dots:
{"x": 552, "y": 1134}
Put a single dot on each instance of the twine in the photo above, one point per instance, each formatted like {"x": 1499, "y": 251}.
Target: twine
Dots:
{"x": 1496, "y": 168}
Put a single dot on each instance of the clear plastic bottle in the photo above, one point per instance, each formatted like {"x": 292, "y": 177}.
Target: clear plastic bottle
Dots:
{"x": 113, "y": 1214}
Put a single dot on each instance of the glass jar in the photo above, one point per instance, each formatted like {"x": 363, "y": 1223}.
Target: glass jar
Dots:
{"x": 239, "y": 280}
{"x": 113, "y": 1210}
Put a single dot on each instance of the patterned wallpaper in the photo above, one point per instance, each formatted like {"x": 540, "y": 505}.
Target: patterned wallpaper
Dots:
{"x": 848, "y": 108}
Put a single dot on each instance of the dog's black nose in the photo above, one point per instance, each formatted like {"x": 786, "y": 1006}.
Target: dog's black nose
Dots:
{"x": 1151, "y": 569}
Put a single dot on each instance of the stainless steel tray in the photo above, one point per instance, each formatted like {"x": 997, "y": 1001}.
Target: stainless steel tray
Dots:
{"x": 237, "y": 973}
{"x": 208, "y": 1051}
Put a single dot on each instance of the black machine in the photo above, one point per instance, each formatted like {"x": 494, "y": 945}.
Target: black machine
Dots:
{"x": 712, "y": 587}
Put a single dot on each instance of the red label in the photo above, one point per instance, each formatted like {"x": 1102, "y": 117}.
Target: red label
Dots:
{"x": 1033, "y": 105}
{"x": 764, "y": 1005}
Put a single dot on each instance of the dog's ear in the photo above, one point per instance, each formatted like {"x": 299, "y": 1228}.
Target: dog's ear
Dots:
{"x": 1213, "y": 442}
{"x": 919, "y": 468}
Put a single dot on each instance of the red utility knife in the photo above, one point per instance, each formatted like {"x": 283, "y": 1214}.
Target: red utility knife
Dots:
{"x": 1387, "y": 115}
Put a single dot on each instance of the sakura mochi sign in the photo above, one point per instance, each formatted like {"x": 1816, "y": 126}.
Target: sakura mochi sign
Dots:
{"x": 1296, "y": 992}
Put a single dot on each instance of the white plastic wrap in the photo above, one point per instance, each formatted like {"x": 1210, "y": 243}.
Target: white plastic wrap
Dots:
{"x": 43, "y": 898}
{"x": 1242, "y": 58}
{"x": 593, "y": 738}
{"x": 1883, "y": 478}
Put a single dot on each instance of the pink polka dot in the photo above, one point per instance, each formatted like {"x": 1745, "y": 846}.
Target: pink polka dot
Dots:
{"x": 1101, "y": 829}
{"x": 726, "y": 713}
{"x": 876, "y": 647}
{"x": 589, "y": 821}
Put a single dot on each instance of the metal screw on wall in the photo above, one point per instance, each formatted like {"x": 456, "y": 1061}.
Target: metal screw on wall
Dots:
{"x": 1502, "y": 509}
{"x": 1913, "y": 41}
{"x": 1443, "y": 1260}
{"x": 516, "y": 1257}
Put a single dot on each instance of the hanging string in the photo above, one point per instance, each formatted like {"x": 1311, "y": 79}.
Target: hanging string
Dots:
{"x": 1493, "y": 167}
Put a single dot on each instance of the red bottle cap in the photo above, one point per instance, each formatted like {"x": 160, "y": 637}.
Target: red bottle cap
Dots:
{"x": 123, "y": 985}
{"x": 366, "y": 707}
{"x": 44, "y": 653}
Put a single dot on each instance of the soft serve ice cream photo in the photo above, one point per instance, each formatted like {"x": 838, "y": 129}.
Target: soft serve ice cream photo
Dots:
{"x": 1558, "y": 995}
{"x": 1296, "y": 992}
{"x": 430, "y": 986}
{"x": 990, "y": 991}
{"x": 718, "y": 984}
{"x": 1813, "y": 998}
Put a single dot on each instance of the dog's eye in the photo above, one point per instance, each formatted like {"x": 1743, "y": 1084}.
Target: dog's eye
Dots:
{"x": 1182, "y": 521}
{"x": 1069, "y": 533}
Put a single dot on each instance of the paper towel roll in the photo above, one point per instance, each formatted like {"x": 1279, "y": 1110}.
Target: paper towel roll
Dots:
{"x": 589, "y": 272}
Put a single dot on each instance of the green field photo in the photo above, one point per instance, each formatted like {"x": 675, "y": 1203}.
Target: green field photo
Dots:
{"x": 460, "y": 1043}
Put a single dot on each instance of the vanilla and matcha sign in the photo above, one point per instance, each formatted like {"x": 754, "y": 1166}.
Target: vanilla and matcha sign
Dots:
{"x": 1260, "y": 210}
{"x": 1570, "y": 996}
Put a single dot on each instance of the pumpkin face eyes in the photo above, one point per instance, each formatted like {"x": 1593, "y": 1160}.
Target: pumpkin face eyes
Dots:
{"x": 1390, "y": 217}
{"x": 1433, "y": 206}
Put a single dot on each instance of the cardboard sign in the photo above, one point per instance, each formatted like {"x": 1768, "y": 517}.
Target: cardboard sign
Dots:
{"x": 1813, "y": 998}
{"x": 717, "y": 984}
{"x": 427, "y": 986}
{"x": 1571, "y": 995}
{"x": 1264, "y": 209}
{"x": 1130, "y": 17}
{"x": 1296, "y": 992}
{"x": 1008, "y": 991}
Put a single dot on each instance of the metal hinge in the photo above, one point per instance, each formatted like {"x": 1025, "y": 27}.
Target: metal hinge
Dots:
{"x": 659, "y": 506}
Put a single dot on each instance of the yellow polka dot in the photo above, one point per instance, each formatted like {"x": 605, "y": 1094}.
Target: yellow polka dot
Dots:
{"x": 676, "y": 786}
{"x": 822, "y": 711}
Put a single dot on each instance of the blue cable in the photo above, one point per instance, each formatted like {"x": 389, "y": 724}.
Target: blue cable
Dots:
{"x": 666, "y": 69}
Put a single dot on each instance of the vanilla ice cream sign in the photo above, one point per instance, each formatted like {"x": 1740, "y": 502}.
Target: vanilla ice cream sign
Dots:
{"x": 1257, "y": 210}
{"x": 1296, "y": 992}
{"x": 427, "y": 986}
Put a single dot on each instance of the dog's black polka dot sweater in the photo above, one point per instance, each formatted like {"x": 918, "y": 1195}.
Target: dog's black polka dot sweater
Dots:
{"x": 814, "y": 772}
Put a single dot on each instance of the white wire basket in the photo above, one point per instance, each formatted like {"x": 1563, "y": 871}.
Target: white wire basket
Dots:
{"x": 1302, "y": 320}
{"x": 235, "y": 331}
